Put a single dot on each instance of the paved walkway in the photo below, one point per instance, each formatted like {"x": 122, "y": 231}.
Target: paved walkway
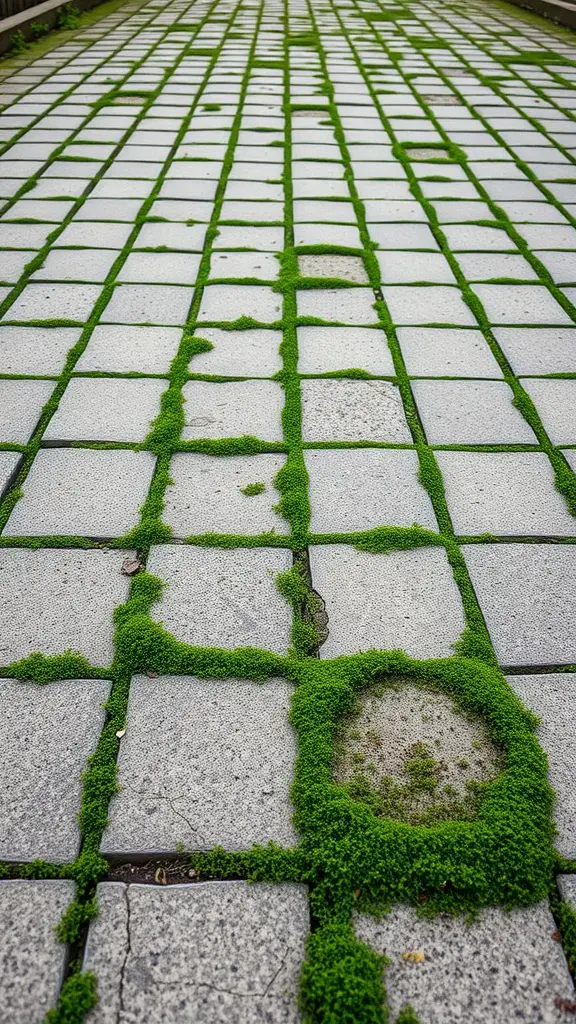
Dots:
{"x": 287, "y": 453}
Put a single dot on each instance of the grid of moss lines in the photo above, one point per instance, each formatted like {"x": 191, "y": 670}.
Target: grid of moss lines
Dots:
{"x": 343, "y": 849}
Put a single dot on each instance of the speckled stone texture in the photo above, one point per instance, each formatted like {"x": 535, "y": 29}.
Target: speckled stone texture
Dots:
{"x": 41, "y": 760}
{"x": 32, "y": 960}
{"x": 57, "y": 600}
{"x": 212, "y": 953}
{"x": 402, "y": 599}
{"x": 233, "y": 409}
{"x": 502, "y": 967}
{"x": 527, "y": 593}
{"x": 360, "y": 488}
{"x": 353, "y": 410}
{"x": 223, "y": 598}
{"x": 553, "y": 698}
{"x": 106, "y": 410}
{"x": 204, "y": 762}
{"x": 206, "y": 495}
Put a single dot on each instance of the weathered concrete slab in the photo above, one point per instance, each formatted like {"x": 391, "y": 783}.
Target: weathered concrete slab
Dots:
{"x": 204, "y": 762}
{"x": 233, "y": 409}
{"x": 32, "y": 960}
{"x": 353, "y": 410}
{"x": 42, "y": 761}
{"x": 215, "y": 953}
{"x": 223, "y": 598}
{"x": 501, "y": 967}
{"x": 402, "y": 599}
{"x": 106, "y": 409}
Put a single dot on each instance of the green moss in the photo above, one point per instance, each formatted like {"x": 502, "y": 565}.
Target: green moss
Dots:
{"x": 341, "y": 979}
{"x": 76, "y": 999}
{"x": 252, "y": 489}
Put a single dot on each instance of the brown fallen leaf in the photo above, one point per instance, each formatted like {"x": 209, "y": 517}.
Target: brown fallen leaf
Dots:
{"x": 131, "y": 565}
{"x": 151, "y": 674}
{"x": 556, "y": 936}
{"x": 160, "y": 876}
{"x": 568, "y": 1005}
{"x": 414, "y": 956}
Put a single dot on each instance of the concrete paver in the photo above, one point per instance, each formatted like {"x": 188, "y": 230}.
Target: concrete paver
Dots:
{"x": 273, "y": 275}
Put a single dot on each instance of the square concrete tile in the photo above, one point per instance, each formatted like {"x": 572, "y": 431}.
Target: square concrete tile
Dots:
{"x": 348, "y": 268}
{"x": 183, "y": 237}
{"x": 504, "y": 493}
{"x": 327, "y": 234}
{"x": 95, "y": 236}
{"x": 21, "y": 403}
{"x": 223, "y": 598}
{"x": 261, "y": 238}
{"x": 204, "y": 762}
{"x": 482, "y": 266}
{"x": 251, "y": 353}
{"x": 212, "y": 953}
{"x": 106, "y": 409}
{"x": 229, "y": 302}
{"x": 446, "y": 352}
{"x": 538, "y": 349}
{"x": 470, "y": 412}
{"x": 324, "y": 349}
{"x": 82, "y": 492}
{"x": 438, "y": 304}
{"x": 148, "y": 304}
{"x": 54, "y": 302}
{"x": 358, "y": 489}
{"x": 56, "y": 600}
{"x": 514, "y": 969}
{"x": 403, "y": 236}
{"x": 160, "y": 268}
{"x": 555, "y": 401}
{"x": 76, "y": 265}
{"x": 553, "y": 698}
{"x": 412, "y": 267}
{"x": 32, "y": 961}
{"x": 42, "y": 764}
{"x": 339, "y": 305}
{"x": 527, "y": 593}
{"x": 263, "y": 265}
{"x": 206, "y": 495}
{"x": 8, "y": 463}
{"x": 353, "y": 410}
{"x": 233, "y": 409}
{"x": 402, "y": 599}
{"x": 120, "y": 348}
{"x": 520, "y": 304}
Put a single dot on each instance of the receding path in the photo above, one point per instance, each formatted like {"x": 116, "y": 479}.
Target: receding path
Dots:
{"x": 288, "y": 373}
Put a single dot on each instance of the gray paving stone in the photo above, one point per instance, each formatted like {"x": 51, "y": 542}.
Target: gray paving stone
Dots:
{"x": 360, "y": 488}
{"x": 76, "y": 265}
{"x": 327, "y": 234}
{"x": 54, "y": 302}
{"x": 340, "y": 305}
{"x": 58, "y": 600}
{"x": 505, "y": 493}
{"x": 251, "y": 353}
{"x": 479, "y": 266}
{"x": 349, "y": 268}
{"x": 160, "y": 268}
{"x": 120, "y": 348}
{"x": 184, "y": 237}
{"x": 212, "y": 953}
{"x": 553, "y": 697}
{"x": 446, "y": 352}
{"x": 223, "y": 598}
{"x": 402, "y": 599}
{"x": 260, "y": 237}
{"x": 203, "y": 762}
{"x": 82, "y": 492}
{"x": 503, "y": 966}
{"x": 555, "y": 401}
{"x": 538, "y": 349}
{"x": 233, "y": 409}
{"x": 148, "y": 304}
{"x": 560, "y": 265}
{"x": 206, "y": 495}
{"x": 567, "y": 887}
{"x": 438, "y": 304}
{"x": 106, "y": 409}
{"x": 42, "y": 763}
{"x": 228, "y": 302}
{"x": 32, "y": 961}
{"x": 95, "y": 236}
{"x": 403, "y": 236}
{"x": 324, "y": 349}
{"x": 520, "y": 304}
{"x": 528, "y": 596}
{"x": 353, "y": 410}
{"x": 262, "y": 265}
{"x": 13, "y": 263}
{"x": 8, "y": 463}
{"x": 470, "y": 412}
{"x": 21, "y": 403}
{"x": 570, "y": 455}
{"x": 408, "y": 267}
{"x": 35, "y": 350}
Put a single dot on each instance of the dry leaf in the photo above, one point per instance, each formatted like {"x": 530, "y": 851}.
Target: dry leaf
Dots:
{"x": 131, "y": 565}
{"x": 556, "y": 936}
{"x": 151, "y": 674}
{"x": 414, "y": 957}
{"x": 120, "y": 734}
{"x": 568, "y": 1005}
{"x": 160, "y": 876}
